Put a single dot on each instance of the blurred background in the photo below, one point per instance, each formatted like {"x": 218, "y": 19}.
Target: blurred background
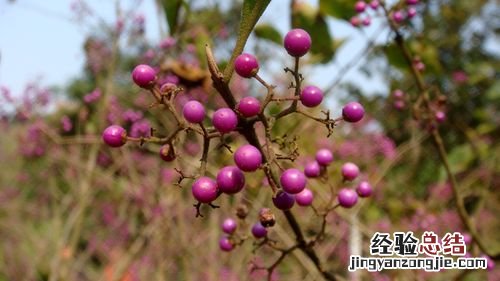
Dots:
{"x": 73, "y": 209}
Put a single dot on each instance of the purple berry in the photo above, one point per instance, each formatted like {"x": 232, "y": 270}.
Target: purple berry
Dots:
{"x": 412, "y": 2}
{"x": 360, "y": 6}
{"x": 411, "y": 12}
{"x": 225, "y": 120}
{"x": 204, "y": 189}
{"x": 467, "y": 239}
{"x": 440, "y": 116}
{"x": 350, "y": 171}
{"x": 374, "y": 4}
{"x": 114, "y": 136}
{"x": 399, "y": 104}
{"x": 324, "y": 157}
{"x": 398, "y": 16}
{"x": 312, "y": 169}
{"x": 246, "y": 65}
{"x": 297, "y": 42}
{"x": 490, "y": 263}
{"x": 259, "y": 231}
{"x": 248, "y": 158}
{"x": 353, "y": 112}
{"x": 230, "y": 180}
{"x": 144, "y": 75}
{"x": 193, "y": 111}
{"x": 229, "y": 226}
{"x": 367, "y": 21}
{"x": 167, "y": 153}
{"x": 311, "y": 96}
{"x": 293, "y": 181}
{"x": 364, "y": 189}
{"x": 248, "y": 106}
{"x": 225, "y": 244}
{"x": 398, "y": 94}
{"x": 305, "y": 197}
{"x": 420, "y": 66}
{"x": 347, "y": 198}
{"x": 355, "y": 21}
{"x": 283, "y": 200}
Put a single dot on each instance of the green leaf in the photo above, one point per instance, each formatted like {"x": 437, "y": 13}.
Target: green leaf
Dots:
{"x": 305, "y": 17}
{"x": 171, "y": 8}
{"x": 395, "y": 56}
{"x": 460, "y": 158}
{"x": 268, "y": 32}
{"x": 342, "y": 9}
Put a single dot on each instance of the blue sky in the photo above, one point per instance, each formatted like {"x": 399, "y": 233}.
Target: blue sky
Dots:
{"x": 40, "y": 40}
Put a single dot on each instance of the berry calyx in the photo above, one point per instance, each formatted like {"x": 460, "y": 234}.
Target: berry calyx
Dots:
{"x": 114, "y": 136}
{"x": 324, "y": 157}
{"x": 312, "y": 169}
{"x": 350, "y": 171}
{"x": 364, "y": 189}
{"x": 293, "y": 181}
{"x": 144, "y": 76}
{"x": 311, "y": 96}
{"x": 230, "y": 180}
{"x": 229, "y": 226}
{"x": 297, "y": 42}
{"x": 225, "y": 244}
{"x": 193, "y": 111}
{"x": 248, "y": 158}
{"x": 246, "y": 65}
{"x": 225, "y": 120}
{"x": 258, "y": 230}
{"x": 283, "y": 200}
{"x": 167, "y": 153}
{"x": 347, "y": 198}
{"x": 305, "y": 197}
{"x": 248, "y": 106}
{"x": 360, "y": 6}
{"x": 353, "y": 112}
{"x": 205, "y": 190}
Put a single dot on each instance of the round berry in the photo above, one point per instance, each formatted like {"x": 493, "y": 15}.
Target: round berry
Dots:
{"x": 411, "y": 12}
{"x": 399, "y": 104}
{"x": 167, "y": 153}
{"x": 353, "y": 112}
{"x": 420, "y": 66}
{"x": 259, "y": 231}
{"x": 246, "y": 65}
{"x": 398, "y": 94}
{"x": 312, "y": 169}
{"x": 350, "y": 171}
{"x": 193, "y": 111}
{"x": 144, "y": 75}
{"x": 467, "y": 239}
{"x": 364, "y": 189}
{"x": 367, "y": 21}
{"x": 230, "y": 180}
{"x": 305, "y": 197}
{"x": 398, "y": 16}
{"x": 204, "y": 189}
{"x": 347, "y": 198}
{"x": 248, "y": 158}
{"x": 360, "y": 6}
{"x": 225, "y": 120}
{"x": 412, "y": 2}
{"x": 324, "y": 157}
{"x": 355, "y": 21}
{"x": 248, "y": 106}
{"x": 374, "y": 4}
{"x": 440, "y": 116}
{"x": 490, "y": 263}
{"x": 225, "y": 244}
{"x": 283, "y": 200}
{"x": 229, "y": 226}
{"x": 114, "y": 136}
{"x": 311, "y": 96}
{"x": 297, "y": 42}
{"x": 293, "y": 181}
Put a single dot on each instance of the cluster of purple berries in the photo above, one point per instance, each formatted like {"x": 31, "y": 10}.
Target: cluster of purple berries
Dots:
{"x": 399, "y": 99}
{"x": 229, "y": 226}
{"x": 399, "y": 16}
{"x": 361, "y": 8}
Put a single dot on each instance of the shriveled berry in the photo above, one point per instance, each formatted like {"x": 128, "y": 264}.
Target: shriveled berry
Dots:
{"x": 205, "y": 190}
{"x": 167, "y": 153}
{"x": 144, "y": 76}
{"x": 248, "y": 106}
{"x": 193, "y": 111}
{"x": 246, "y": 65}
{"x": 353, "y": 112}
{"x": 225, "y": 120}
{"x": 350, "y": 171}
{"x": 114, "y": 136}
{"x": 364, "y": 189}
{"x": 324, "y": 157}
{"x": 230, "y": 179}
{"x": 293, "y": 181}
{"x": 225, "y": 244}
{"x": 297, "y": 42}
{"x": 284, "y": 201}
{"x": 305, "y": 197}
{"x": 259, "y": 231}
{"x": 312, "y": 169}
{"x": 347, "y": 198}
{"x": 311, "y": 96}
{"x": 266, "y": 217}
{"x": 248, "y": 158}
{"x": 229, "y": 226}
